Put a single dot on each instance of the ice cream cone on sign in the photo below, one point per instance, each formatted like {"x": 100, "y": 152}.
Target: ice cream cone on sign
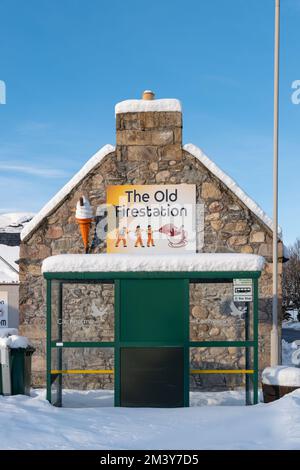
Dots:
{"x": 84, "y": 218}
{"x": 85, "y": 227}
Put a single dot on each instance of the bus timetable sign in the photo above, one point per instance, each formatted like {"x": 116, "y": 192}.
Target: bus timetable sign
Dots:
{"x": 242, "y": 290}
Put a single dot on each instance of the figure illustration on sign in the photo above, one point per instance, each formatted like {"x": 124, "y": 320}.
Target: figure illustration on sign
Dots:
{"x": 121, "y": 237}
{"x": 150, "y": 240}
{"x": 139, "y": 240}
{"x": 177, "y": 236}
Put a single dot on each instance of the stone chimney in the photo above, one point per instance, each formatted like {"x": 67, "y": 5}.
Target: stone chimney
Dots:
{"x": 149, "y": 128}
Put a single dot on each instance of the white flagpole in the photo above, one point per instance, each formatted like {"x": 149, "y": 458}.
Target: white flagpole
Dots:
{"x": 274, "y": 333}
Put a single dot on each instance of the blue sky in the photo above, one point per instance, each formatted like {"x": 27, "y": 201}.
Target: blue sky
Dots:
{"x": 67, "y": 62}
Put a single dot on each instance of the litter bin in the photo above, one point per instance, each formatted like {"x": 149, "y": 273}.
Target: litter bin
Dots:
{"x": 20, "y": 371}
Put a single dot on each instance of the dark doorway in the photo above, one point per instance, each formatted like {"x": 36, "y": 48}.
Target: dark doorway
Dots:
{"x": 153, "y": 333}
{"x": 152, "y": 377}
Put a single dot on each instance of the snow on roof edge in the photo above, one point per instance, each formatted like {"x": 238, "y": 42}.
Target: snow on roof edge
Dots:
{"x": 231, "y": 184}
{"x": 190, "y": 262}
{"x": 98, "y": 156}
{"x": 139, "y": 106}
{"x": 64, "y": 191}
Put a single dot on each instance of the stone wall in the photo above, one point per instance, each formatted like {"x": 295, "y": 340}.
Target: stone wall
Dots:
{"x": 149, "y": 151}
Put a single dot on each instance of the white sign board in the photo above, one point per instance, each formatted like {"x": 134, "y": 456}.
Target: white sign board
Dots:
{"x": 152, "y": 219}
{"x": 242, "y": 290}
{"x": 3, "y": 309}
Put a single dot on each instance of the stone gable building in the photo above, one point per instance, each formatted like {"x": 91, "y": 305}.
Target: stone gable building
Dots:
{"x": 149, "y": 150}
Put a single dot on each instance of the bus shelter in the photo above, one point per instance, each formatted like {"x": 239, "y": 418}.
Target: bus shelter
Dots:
{"x": 151, "y": 342}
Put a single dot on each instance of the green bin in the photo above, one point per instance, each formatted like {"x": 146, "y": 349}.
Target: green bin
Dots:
{"x": 20, "y": 370}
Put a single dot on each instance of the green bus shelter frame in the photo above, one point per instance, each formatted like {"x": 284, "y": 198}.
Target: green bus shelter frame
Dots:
{"x": 189, "y": 277}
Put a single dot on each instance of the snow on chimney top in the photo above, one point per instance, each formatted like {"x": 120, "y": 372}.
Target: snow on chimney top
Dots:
{"x": 148, "y": 104}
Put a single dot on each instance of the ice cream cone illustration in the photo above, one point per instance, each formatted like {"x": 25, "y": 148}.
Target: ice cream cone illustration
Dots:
{"x": 84, "y": 218}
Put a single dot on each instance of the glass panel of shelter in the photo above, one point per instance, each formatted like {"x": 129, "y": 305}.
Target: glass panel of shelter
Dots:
{"x": 215, "y": 316}
{"x": 222, "y": 346}
{"x": 82, "y": 311}
{"x": 82, "y": 315}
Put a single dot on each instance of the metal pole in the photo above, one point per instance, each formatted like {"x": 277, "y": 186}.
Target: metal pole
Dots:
{"x": 247, "y": 354}
{"x": 274, "y": 332}
{"x": 255, "y": 339}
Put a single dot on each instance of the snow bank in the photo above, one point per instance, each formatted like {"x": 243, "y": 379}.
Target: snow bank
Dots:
{"x": 282, "y": 375}
{"x": 199, "y": 262}
{"x": 32, "y": 423}
{"x": 105, "y": 398}
{"x": 63, "y": 193}
{"x": 231, "y": 184}
{"x": 14, "y": 342}
{"x": 140, "y": 106}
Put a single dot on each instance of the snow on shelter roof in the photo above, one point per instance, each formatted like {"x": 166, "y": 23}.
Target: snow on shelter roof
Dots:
{"x": 63, "y": 193}
{"x": 231, "y": 184}
{"x": 140, "y": 106}
{"x": 198, "y": 262}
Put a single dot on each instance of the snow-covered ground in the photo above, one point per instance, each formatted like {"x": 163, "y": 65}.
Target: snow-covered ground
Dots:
{"x": 32, "y": 423}
{"x": 96, "y": 398}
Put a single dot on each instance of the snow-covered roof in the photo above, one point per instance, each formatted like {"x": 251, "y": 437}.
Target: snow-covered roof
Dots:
{"x": 9, "y": 270}
{"x": 14, "y": 222}
{"x": 231, "y": 184}
{"x": 198, "y": 262}
{"x": 63, "y": 193}
{"x": 140, "y": 106}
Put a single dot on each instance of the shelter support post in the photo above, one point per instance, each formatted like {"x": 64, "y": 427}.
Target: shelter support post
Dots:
{"x": 255, "y": 338}
{"x": 60, "y": 339}
{"x": 48, "y": 338}
{"x": 247, "y": 354}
